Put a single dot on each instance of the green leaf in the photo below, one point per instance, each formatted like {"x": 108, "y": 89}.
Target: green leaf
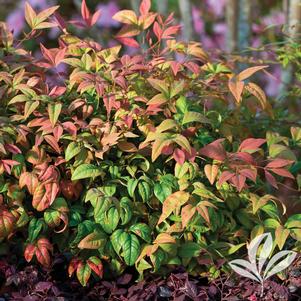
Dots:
{"x": 95, "y": 240}
{"x": 54, "y": 110}
{"x": 131, "y": 249}
{"x": 144, "y": 191}
{"x": 293, "y": 221}
{"x": 109, "y": 220}
{"x": 34, "y": 229}
{"x": 86, "y": 171}
{"x": 83, "y": 274}
{"x": 72, "y": 150}
{"x": 194, "y": 117}
{"x": 162, "y": 191}
{"x": 182, "y": 105}
{"x": 131, "y": 186}
{"x": 142, "y": 230}
{"x": 117, "y": 238}
{"x": 189, "y": 249}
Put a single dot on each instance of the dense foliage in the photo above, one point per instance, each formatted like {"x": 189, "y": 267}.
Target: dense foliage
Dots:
{"x": 152, "y": 160}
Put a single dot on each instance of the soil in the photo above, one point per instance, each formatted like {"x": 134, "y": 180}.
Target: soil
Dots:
{"x": 31, "y": 283}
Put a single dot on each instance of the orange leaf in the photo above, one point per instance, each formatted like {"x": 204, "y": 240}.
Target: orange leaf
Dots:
{"x": 172, "y": 203}
{"x": 187, "y": 213}
{"x": 164, "y": 238}
{"x": 211, "y": 172}
{"x": 236, "y": 88}
{"x": 248, "y": 72}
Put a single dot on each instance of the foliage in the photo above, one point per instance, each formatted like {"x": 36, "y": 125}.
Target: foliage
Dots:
{"x": 141, "y": 160}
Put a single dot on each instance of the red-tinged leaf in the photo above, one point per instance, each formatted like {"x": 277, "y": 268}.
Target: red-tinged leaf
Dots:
{"x": 173, "y": 203}
{"x": 60, "y": 55}
{"x": 29, "y": 252}
{"x": 70, "y": 128}
{"x": 251, "y": 144}
{"x": 53, "y": 143}
{"x": 126, "y": 16}
{"x": 159, "y": 85}
{"x": 128, "y": 42}
{"x": 43, "y": 256}
{"x": 211, "y": 172}
{"x": 241, "y": 156}
{"x": 278, "y": 163}
{"x": 258, "y": 93}
{"x": 175, "y": 67}
{"x": 29, "y": 180}
{"x": 249, "y": 173}
{"x": 12, "y": 148}
{"x": 73, "y": 265}
{"x": 238, "y": 181}
{"x": 85, "y": 11}
{"x": 43, "y": 15}
{"x": 187, "y": 213}
{"x": 47, "y": 54}
{"x": 179, "y": 156}
{"x": 214, "y": 150}
{"x": 271, "y": 179}
{"x": 157, "y": 30}
{"x": 45, "y": 243}
{"x": 127, "y": 147}
{"x": 95, "y": 17}
{"x": 83, "y": 273}
{"x": 203, "y": 211}
{"x": 30, "y": 15}
{"x": 225, "y": 176}
{"x": 282, "y": 172}
{"x": 7, "y": 221}
{"x": 145, "y": 7}
{"x": 249, "y": 72}
{"x": 236, "y": 88}
{"x": 96, "y": 265}
{"x": 164, "y": 238}
{"x": 170, "y": 31}
{"x": 147, "y": 20}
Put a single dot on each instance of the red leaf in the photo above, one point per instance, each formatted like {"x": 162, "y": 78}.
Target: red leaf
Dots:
{"x": 157, "y": 30}
{"x": 249, "y": 173}
{"x": 282, "y": 172}
{"x": 225, "y": 176}
{"x": 238, "y": 181}
{"x": 128, "y": 42}
{"x": 168, "y": 32}
{"x": 271, "y": 179}
{"x": 179, "y": 156}
{"x": 145, "y": 7}
{"x": 85, "y": 11}
{"x": 277, "y": 163}
{"x": 214, "y": 150}
{"x": 12, "y": 148}
{"x": 53, "y": 143}
{"x": 29, "y": 252}
{"x": 251, "y": 144}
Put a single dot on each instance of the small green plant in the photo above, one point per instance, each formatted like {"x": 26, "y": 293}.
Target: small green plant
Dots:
{"x": 134, "y": 160}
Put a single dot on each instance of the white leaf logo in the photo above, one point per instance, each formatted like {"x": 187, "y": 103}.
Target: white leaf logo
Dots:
{"x": 259, "y": 250}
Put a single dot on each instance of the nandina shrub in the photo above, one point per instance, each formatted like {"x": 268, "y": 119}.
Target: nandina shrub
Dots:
{"x": 153, "y": 160}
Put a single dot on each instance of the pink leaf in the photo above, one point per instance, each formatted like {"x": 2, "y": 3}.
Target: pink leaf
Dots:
{"x": 277, "y": 163}
{"x": 271, "y": 179}
{"x": 214, "y": 150}
{"x": 251, "y": 144}
{"x": 282, "y": 172}
{"x": 179, "y": 156}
